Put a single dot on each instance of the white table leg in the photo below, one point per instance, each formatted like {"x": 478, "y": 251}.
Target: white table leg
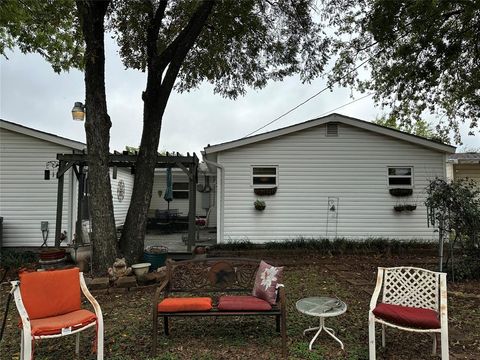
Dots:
{"x": 333, "y": 336}
{"x": 322, "y": 326}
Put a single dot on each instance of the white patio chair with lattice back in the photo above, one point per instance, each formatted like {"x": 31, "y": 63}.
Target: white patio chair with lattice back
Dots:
{"x": 413, "y": 299}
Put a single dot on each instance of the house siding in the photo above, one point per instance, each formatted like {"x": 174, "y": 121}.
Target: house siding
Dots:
{"x": 312, "y": 168}
{"x": 470, "y": 171}
{"x": 120, "y": 206}
{"x": 26, "y": 198}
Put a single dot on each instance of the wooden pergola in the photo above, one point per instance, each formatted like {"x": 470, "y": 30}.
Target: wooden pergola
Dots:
{"x": 78, "y": 162}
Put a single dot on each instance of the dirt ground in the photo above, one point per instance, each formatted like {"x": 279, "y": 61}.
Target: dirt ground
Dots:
{"x": 128, "y": 327}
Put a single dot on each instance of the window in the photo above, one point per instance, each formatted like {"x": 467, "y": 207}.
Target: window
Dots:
{"x": 264, "y": 176}
{"x": 400, "y": 176}
{"x": 180, "y": 190}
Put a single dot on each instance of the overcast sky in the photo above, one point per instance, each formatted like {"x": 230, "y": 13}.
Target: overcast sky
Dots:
{"x": 33, "y": 95}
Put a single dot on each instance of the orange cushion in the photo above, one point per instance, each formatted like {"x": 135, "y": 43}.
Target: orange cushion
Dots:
{"x": 54, "y": 325}
{"x": 50, "y": 293}
{"x": 185, "y": 304}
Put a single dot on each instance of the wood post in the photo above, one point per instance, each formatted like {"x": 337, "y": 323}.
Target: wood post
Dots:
{"x": 58, "y": 225}
{"x": 81, "y": 190}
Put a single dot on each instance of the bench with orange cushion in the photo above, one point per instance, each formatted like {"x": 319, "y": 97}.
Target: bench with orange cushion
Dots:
{"x": 213, "y": 287}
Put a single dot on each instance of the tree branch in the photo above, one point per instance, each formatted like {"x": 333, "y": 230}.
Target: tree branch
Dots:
{"x": 154, "y": 27}
{"x": 192, "y": 30}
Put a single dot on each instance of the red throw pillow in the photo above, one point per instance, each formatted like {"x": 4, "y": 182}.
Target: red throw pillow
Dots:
{"x": 408, "y": 316}
{"x": 266, "y": 281}
{"x": 242, "y": 303}
{"x": 185, "y": 304}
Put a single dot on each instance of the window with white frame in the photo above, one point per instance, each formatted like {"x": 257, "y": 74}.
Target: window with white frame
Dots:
{"x": 400, "y": 176}
{"x": 264, "y": 176}
{"x": 180, "y": 190}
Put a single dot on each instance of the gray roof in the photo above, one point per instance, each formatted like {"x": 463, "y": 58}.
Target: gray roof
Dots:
{"x": 470, "y": 157}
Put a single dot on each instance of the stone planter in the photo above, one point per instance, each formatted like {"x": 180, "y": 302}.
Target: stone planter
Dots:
{"x": 141, "y": 269}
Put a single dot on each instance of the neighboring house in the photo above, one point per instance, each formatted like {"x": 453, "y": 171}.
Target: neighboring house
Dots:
{"x": 464, "y": 165}
{"x": 328, "y": 177}
{"x": 27, "y": 199}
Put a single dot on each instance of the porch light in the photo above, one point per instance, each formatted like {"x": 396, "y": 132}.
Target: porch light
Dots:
{"x": 78, "y": 111}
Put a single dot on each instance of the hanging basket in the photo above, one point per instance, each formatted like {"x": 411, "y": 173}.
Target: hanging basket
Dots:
{"x": 259, "y": 205}
{"x": 406, "y": 207}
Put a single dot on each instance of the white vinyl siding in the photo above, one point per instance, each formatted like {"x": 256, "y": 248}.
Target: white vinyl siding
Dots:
{"x": 120, "y": 207}
{"x": 26, "y": 198}
{"x": 351, "y": 167}
{"x": 470, "y": 171}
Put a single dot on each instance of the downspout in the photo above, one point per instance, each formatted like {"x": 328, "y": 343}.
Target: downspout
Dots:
{"x": 220, "y": 194}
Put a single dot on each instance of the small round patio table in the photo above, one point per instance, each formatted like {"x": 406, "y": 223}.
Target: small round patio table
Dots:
{"x": 321, "y": 307}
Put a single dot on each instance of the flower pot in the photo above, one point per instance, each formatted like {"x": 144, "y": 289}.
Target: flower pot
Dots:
{"x": 156, "y": 256}
{"x": 52, "y": 254}
{"x": 140, "y": 269}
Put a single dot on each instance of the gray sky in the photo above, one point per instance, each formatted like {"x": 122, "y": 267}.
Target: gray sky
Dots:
{"x": 31, "y": 94}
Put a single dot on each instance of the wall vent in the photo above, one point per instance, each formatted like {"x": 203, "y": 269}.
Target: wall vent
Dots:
{"x": 332, "y": 129}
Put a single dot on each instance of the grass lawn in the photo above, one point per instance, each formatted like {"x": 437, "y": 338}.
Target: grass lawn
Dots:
{"x": 127, "y": 317}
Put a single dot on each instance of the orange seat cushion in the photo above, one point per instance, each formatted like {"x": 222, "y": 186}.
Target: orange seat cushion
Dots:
{"x": 50, "y": 293}
{"x": 185, "y": 304}
{"x": 54, "y": 325}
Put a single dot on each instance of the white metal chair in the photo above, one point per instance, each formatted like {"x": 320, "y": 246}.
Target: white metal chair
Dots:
{"x": 413, "y": 299}
{"x": 49, "y": 306}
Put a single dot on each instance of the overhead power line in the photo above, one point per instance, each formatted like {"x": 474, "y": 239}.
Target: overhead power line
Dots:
{"x": 310, "y": 98}
{"x": 342, "y": 106}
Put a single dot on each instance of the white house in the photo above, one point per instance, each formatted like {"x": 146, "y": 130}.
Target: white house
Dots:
{"x": 464, "y": 165}
{"x": 27, "y": 199}
{"x": 328, "y": 177}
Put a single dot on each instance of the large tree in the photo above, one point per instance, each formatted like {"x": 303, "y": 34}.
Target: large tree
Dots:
{"x": 420, "y": 128}
{"x": 232, "y": 44}
{"x": 423, "y": 56}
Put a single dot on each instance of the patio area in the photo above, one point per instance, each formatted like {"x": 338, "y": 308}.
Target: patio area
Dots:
{"x": 176, "y": 241}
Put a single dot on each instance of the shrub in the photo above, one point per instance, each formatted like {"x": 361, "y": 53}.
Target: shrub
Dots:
{"x": 17, "y": 259}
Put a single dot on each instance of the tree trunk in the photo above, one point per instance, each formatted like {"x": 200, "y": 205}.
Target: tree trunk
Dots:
{"x": 162, "y": 72}
{"x": 133, "y": 235}
{"x": 97, "y": 128}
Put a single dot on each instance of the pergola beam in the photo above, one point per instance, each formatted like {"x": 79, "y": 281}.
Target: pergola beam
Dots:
{"x": 189, "y": 164}
{"x": 121, "y": 160}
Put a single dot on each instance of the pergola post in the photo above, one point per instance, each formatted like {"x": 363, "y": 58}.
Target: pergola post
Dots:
{"x": 58, "y": 224}
{"x": 192, "y": 189}
{"x": 81, "y": 191}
